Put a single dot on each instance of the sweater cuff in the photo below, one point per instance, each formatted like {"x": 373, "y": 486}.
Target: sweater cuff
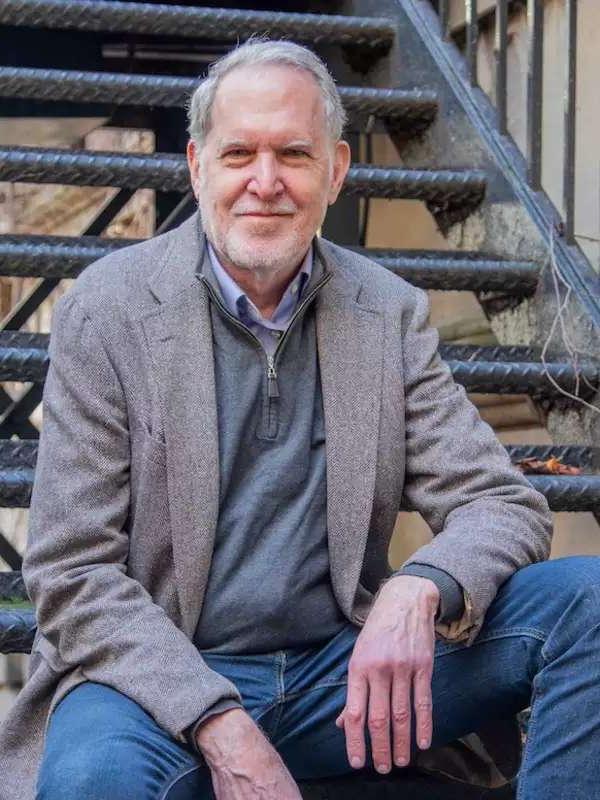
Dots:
{"x": 217, "y": 708}
{"x": 451, "y": 606}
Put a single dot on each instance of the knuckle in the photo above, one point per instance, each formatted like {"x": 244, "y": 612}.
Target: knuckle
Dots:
{"x": 354, "y": 716}
{"x": 400, "y": 715}
{"x": 378, "y": 722}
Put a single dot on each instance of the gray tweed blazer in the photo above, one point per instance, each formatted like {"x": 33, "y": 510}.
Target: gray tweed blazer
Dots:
{"x": 125, "y": 499}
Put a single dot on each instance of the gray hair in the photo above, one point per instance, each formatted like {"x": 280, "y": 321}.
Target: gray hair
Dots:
{"x": 255, "y": 52}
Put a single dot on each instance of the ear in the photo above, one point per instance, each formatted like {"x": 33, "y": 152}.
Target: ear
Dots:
{"x": 341, "y": 165}
{"x": 193, "y": 165}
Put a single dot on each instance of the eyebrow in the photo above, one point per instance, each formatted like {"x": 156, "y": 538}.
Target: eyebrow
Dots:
{"x": 241, "y": 143}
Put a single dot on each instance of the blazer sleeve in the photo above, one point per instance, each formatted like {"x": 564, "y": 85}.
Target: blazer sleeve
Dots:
{"x": 93, "y": 613}
{"x": 486, "y": 518}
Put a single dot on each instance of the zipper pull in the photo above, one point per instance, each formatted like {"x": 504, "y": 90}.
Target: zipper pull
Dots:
{"x": 272, "y": 386}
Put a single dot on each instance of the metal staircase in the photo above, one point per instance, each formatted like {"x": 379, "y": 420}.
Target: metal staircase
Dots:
{"x": 401, "y": 77}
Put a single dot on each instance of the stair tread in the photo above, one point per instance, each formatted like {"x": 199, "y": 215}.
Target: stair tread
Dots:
{"x": 65, "y": 257}
{"x": 450, "y": 194}
{"x": 221, "y": 24}
{"x": 412, "y": 109}
{"x": 563, "y": 492}
{"x": 24, "y": 357}
{"x": 22, "y": 453}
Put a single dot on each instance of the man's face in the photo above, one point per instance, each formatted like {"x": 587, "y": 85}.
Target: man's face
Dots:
{"x": 268, "y": 168}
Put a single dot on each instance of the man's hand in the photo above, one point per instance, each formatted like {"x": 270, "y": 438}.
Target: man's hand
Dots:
{"x": 392, "y": 654}
{"x": 242, "y": 762}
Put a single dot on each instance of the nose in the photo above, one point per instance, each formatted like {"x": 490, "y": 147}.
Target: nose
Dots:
{"x": 265, "y": 182}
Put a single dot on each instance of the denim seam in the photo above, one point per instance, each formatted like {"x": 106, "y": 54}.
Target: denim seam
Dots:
{"x": 280, "y": 671}
{"x": 186, "y": 771}
{"x": 531, "y": 729}
{"x": 300, "y": 692}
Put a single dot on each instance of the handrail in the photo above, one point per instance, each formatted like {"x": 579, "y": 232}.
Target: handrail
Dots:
{"x": 574, "y": 266}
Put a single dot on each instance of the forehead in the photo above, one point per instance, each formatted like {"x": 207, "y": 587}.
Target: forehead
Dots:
{"x": 269, "y": 99}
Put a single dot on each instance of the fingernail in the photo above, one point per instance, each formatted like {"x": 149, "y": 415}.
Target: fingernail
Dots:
{"x": 423, "y": 744}
{"x": 356, "y": 762}
{"x": 383, "y": 768}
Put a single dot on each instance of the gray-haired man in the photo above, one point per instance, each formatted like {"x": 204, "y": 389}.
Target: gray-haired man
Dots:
{"x": 232, "y": 416}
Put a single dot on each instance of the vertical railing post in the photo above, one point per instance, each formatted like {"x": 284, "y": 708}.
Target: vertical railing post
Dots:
{"x": 570, "y": 105}
{"x": 535, "y": 25}
{"x": 444, "y": 11}
{"x": 501, "y": 47}
{"x": 472, "y": 35}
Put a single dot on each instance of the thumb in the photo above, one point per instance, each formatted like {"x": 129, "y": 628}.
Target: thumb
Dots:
{"x": 340, "y": 720}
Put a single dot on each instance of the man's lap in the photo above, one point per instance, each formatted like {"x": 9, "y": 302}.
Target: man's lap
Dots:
{"x": 295, "y": 696}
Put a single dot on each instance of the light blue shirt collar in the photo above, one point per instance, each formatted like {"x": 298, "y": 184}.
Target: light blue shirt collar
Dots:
{"x": 239, "y": 304}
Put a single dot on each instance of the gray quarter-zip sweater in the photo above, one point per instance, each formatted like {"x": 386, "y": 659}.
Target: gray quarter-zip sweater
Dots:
{"x": 269, "y": 577}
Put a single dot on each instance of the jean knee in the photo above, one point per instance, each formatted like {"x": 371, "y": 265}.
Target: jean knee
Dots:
{"x": 101, "y": 771}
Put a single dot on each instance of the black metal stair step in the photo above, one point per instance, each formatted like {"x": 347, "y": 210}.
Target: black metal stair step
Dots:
{"x": 220, "y": 24}
{"x": 450, "y": 195}
{"x": 66, "y": 256}
{"x": 459, "y": 270}
{"x": 563, "y": 492}
{"x": 24, "y": 357}
{"x": 409, "y": 111}
{"x": 20, "y": 453}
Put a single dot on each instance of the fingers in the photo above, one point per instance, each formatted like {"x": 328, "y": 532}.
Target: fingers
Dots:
{"x": 423, "y": 707}
{"x": 353, "y": 719}
{"x": 378, "y": 721}
{"x": 401, "y": 719}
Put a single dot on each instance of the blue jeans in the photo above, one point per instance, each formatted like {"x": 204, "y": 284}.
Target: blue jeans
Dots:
{"x": 539, "y": 645}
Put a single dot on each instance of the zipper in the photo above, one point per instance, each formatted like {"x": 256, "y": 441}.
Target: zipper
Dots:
{"x": 272, "y": 383}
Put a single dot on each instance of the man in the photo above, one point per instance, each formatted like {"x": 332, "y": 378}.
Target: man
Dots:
{"x": 232, "y": 416}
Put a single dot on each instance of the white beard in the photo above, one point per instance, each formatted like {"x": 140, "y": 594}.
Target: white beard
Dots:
{"x": 282, "y": 253}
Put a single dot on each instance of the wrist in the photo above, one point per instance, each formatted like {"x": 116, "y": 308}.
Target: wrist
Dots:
{"x": 210, "y": 732}
{"x": 426, "y": 585}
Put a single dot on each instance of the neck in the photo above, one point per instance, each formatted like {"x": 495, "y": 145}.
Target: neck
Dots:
{"x": 264, "y": 287}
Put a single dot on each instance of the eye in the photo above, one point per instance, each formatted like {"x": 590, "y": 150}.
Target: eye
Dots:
{"x": 294, "y": 152}
{"x": 237, "y": 152}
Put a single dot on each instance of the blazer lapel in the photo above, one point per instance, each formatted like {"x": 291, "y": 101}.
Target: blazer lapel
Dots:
{"x": 180, "y": 341}
{"x": 349, "y": 341}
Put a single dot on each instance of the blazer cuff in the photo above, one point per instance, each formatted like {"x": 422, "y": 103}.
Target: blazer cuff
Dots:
{"x": 451, "y": 606}
{"x": 217, "y": 708}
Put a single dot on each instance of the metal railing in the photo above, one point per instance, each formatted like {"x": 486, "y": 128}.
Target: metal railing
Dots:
{"x": 500, "y": 9}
